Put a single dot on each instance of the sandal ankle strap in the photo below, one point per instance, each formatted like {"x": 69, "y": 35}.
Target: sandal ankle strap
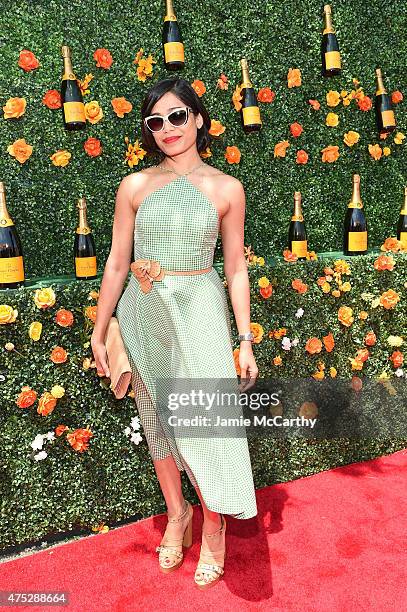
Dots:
{"x": 220, "y": 530}
{"x": 181, "y": 516}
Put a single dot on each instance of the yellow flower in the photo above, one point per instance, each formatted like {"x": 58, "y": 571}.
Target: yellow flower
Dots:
{"x": 35, "y": 329}
{"x": 61, "y": 157}
{"x": 333, "y": 372}
{"x": 145, "y": 68}
{"x": 326, "y": 287}
{"x": 346, "y": 286}
{"x": 263, "y": 281}
{"x": 260, "y": 261}
{"x": 93, "y": 111}
{"x": 351, "y": 138}
{"x": 57, "y": 391}
{"x": 86, "y": 363}
{"x": 333, "y": 98}
{"x": 8, "y": 314}
{"x": 399, "y": 137}
{"x": 346, "y": 101}
{"x": 258, "y": 332}
{"x": 395, "y": 340}
{"x": 386, "y": 151}
{"x": 332, "y": 119}
{"x": 44, "y": 298}
{"x": 336, "y": 293}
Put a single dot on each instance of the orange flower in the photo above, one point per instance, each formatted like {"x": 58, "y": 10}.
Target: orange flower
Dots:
{"x": 236, "y": 353}
{"x": 258, "y": 332}
{"x": 313, "y": 345}
{"x": 330, "y": 153}
{"x": 363, "y": 315}
{"x": 216, "y": 128}
{"x": 46, "y": 404}
{"x": 266, "y": 292}
{"x": 84, "y": 84}
{"x": 384, "y": 262}
{"x": 351, "y": 138}
{"x": 93, "y": 112}
{"x": 59, "y": 430}
{"x": 294, "y": 77}
{"x": 280, "y": 148}
{"x": 391, "y": 244}
{"x": 27, "y": 60}
{"x": 92, "y": 147}
{"x": 145, "y": 68}
{"x": 289, "y": 255}
{"x": 315, "y": 104}
{"x": 199, "y": 87}
{"x": 232, "y": 155}
{"x": 277, "y": 361}
{"x": 58, "y": 355}
{"x": 20, "y": 149}
{"x": 296, "y": 129}
{"x": 265, "y": 95}
{"x": 302, "y": 157}
{"x": 26, "y": 398}
{"x": 396, "y": 97}
{"x": 79, "y": 439}
{"x": 52, "y": 99}
{"x": 14, "y": 108}
{"x": 64, "y": 318}
{"x": 370, "y": 338}
{"x": 375, "y": 151}
{"x": 103, "y": 58}
{"x": 205, "y": 154}
{"x": 362, "y": 355}
{"x": 389, "y": 299}
{"x": 222, "y": 82}
{"x": 299, "y": 286}
{"x": 61, "y": 158}
{"x": 236, "y": 97}
{"x": 121, "y": 106}
{"x": 90, "y": 312}
{"x": 397, "y": 359}
{"x": 365, "y": 103}
{"x": 345, "y": 316}
{"x": 329, "y": 342}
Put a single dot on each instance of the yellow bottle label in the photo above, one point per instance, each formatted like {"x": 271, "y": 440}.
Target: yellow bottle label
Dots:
{"x": 403, "y": 238}
{"x": 332, "y": 59}
{"x": 299, "y": 247}
{"x": 86, "y": 266}
{"x": 388, "y": 118}
{"x": 251, "y": 114}
{"x": 174, "y": 52}
{"x": 11, "y": 269}
{"x": 74, "y": 111}
{"x": 357, "y": 241}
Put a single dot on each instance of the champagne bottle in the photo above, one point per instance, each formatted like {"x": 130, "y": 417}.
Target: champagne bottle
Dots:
{"x": 84, "y": 247}
{"x": 250, "y": 114}
{"x": 11, "y": 254}
{"x": 330, "y": 55}
{"x": 297, "y": 235}
{"x": 385, "y": 119}
{"x": 402, "y": 224}
{"x": 174, "y": 58}
{"x": 355, "y": 226}
{"x": 73, "y": 108}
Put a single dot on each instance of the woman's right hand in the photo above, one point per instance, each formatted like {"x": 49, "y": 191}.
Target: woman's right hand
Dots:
{"x": 100, "y": 355}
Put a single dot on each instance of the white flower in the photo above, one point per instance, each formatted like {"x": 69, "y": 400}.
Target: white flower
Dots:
{"x": 299, "y": 313}
{"x": 295, "y": 341}
{"x": 135, "y": 422}
{"x": 37, "y": 443}
{"x": 41, "y": 455}
{"x": 50, "y": 435}
{"x": 136, "y": 437}
{"x": 399, "y": 372}
{"x": 286, "y": 343}
{"x": 127, "y": 431}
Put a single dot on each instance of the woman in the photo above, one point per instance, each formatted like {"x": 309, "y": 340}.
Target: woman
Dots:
{"x": 174, "y": 317}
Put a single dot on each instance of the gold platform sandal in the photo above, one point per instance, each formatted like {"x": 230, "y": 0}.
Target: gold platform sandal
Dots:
{"x": 209, "y": 571}
{"x": 169, "y": 557}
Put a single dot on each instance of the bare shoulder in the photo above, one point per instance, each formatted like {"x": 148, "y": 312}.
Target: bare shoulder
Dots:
{"x": 230, "y": 186}
{"x": 135, "y": 184}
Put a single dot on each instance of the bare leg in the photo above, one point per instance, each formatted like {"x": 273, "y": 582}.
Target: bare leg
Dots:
{"x": 211, "y": 525}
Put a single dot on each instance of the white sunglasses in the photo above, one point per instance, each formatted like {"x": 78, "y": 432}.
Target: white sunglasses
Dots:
{"x": 176, "y": 117}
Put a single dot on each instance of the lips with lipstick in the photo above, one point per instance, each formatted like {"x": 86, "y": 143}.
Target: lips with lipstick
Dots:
{"x": 171, "y": 139}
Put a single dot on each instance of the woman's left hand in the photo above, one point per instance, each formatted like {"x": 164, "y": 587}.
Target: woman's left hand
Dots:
{"x": 248, "y": 368}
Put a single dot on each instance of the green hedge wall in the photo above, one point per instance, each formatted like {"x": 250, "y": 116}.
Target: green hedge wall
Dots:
{"x": 114, "y": 479}
{"x": 274, "y": 36}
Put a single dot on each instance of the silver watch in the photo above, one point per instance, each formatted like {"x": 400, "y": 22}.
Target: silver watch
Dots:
{"x": 247, "y": 336}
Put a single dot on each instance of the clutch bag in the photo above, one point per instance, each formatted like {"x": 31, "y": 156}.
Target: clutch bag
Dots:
{"x": 119, "y": 365}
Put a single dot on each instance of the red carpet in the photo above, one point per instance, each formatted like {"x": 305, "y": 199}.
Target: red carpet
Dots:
{"x": 336, "y": 541}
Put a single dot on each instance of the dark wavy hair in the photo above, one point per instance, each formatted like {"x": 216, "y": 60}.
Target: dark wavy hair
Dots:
{"x": 185, "y": 92}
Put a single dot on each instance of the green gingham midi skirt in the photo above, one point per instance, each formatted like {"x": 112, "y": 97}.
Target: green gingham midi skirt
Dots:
{"x": 181, "y": 329}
